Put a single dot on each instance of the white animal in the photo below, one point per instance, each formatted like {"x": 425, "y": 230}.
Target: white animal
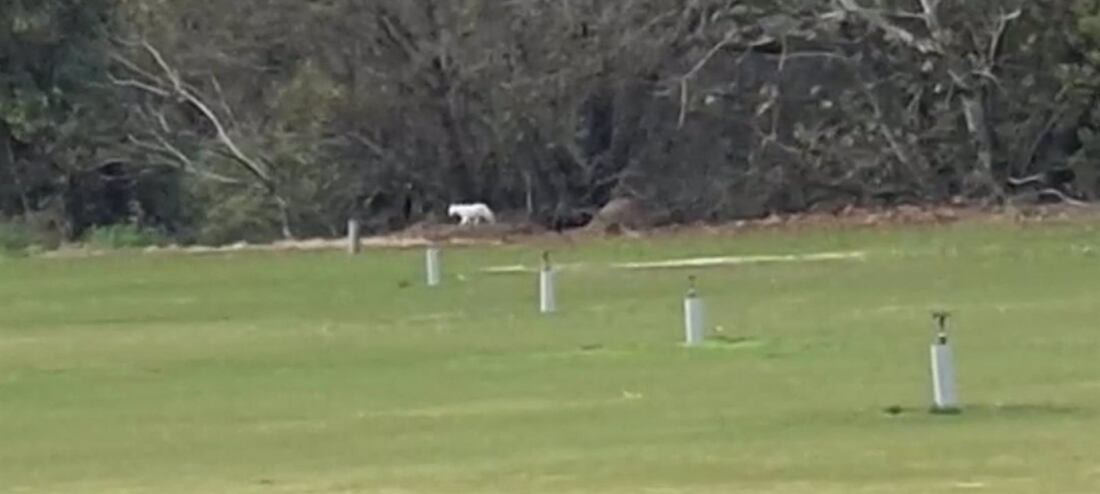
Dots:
{"x": 472, "y": 213}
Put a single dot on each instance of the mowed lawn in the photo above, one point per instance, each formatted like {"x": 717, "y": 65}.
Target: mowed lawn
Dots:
{"x": 321, "y": 373}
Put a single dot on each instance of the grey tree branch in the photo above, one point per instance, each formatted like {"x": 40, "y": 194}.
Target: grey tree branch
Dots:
{"x": 181, "y": 160}
{"x": 879, "y": 20}
{"x": 170, "y": 84}
{"x": 181, "y": 90}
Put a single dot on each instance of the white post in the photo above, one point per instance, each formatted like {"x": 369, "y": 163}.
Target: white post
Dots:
{"x": 547, "y": 300}
{"x": 353, "y": 237}
{"x": 693, "y": 316}
{"x": 944, "y": 398}
{"x": 433, "y": 268}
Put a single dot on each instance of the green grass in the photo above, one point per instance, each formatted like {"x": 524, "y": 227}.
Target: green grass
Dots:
{"x": 318, "y": 373}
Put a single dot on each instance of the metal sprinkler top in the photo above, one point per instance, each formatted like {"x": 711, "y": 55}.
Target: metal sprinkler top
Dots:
{"x": 692, "y": 291}
{"x": 545, "y": 259}
{"x": 941, "y": 318}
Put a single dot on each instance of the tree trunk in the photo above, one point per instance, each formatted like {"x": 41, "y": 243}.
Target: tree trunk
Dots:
{"x": 458, "y": 169}
{"x": 7, "y": 162}
{"x": 977, "y": 120}
{"x": 284, "y": 217}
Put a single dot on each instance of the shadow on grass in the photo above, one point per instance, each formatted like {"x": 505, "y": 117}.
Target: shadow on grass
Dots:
{"x": 999, "y": 410}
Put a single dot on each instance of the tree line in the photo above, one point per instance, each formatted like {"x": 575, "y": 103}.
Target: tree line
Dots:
{"x": 257, "y": 119}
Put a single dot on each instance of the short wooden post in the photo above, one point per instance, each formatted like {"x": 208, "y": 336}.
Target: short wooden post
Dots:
{"x": 354, "y": 243}
{"x": 547, "y": 300}
{"x": 432, "y": 266}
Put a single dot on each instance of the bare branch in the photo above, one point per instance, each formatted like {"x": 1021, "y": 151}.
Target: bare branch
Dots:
{"x": 135, "y": 68}
{"x": 179, "y": 89}
{"x": 221, "y": 98}
{"x": 699, "y": 65}
{"x": 877, "y": 18}
{"x": 1062, "y": 196}
{"x": 181, "y": 160}
{"x": 997, "y": 41}
{"x": 1028, "y": 180}
{"x": 133, "y": 83}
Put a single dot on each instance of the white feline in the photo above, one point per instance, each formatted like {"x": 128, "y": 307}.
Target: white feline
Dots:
{"x": 472, "y": 213}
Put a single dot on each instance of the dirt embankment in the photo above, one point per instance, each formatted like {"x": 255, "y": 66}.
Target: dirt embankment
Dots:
{"x": 514, "y": 233}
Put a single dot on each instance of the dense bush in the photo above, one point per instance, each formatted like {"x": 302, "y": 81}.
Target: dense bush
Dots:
{"x": 123, "y": 237}
{"x": 282, "y": 117}
{"x": 14, "y": 239}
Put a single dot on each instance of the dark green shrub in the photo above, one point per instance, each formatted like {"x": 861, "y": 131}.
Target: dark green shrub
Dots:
{"x": 123, "y": 237}
{"x": 15, "y": 239}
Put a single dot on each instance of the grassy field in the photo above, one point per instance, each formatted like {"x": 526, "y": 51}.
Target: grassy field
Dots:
{"x": 319, "y": 373}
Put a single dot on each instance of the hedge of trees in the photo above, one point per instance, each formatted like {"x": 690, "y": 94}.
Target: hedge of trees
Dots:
{"x": 258, "y": 119}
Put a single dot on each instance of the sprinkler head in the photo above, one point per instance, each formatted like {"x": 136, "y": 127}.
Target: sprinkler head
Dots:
{"x": 941, "y": 318}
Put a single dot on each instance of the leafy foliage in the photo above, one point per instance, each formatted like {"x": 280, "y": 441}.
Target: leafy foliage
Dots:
{"x": 14, "y": 239}
{"x": 282, "y": 118}
{"x": 123, "y": 237}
